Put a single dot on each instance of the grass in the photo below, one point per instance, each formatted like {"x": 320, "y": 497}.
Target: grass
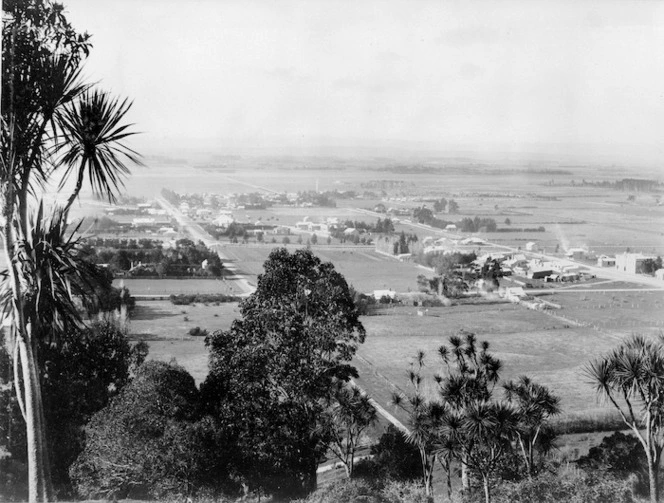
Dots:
{"x": 162, "y": 326}
{"x": 141, "y": 286}
{"x": 527, "y": 342}
{"x": 620, "y": 312}
{"x": 363, "y": 268}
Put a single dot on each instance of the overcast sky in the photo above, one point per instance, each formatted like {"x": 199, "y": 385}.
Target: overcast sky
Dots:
{"x": 522, "y": 75}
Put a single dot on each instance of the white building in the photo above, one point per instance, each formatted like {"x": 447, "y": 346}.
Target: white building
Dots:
{"x": 224, "y": 220}
{"x": 632, "y": 263}
{"x": 606, "y": 261}
{"x": 138, "y": 222}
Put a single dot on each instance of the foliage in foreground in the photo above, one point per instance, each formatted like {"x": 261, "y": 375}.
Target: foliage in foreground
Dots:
{"x": 572, "y": 487}
{"x": 152, "y": 440}
{"x": 631, "y": 378}
{"x": 273, "y": 373}
{"x": 362, "y": 491}
{"x": 78, "y": 379}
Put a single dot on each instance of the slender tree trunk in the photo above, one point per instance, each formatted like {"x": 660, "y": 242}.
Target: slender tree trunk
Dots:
{"x": 465, "y": 479}
{"x": 428, "y": 482}
{"x": 448, "y": 472}
{"x": 487, "y": 494}
{"x": 37, "y": 490}
{"x": 653, "y": 478}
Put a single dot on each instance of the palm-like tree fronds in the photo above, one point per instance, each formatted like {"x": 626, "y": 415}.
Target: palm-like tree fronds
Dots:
{"x": 93, "y": 130}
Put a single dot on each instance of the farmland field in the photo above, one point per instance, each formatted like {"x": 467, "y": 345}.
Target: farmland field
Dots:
{"x": 145, "y": 286}
{"x": 551, "y": 348}
{"x": 362, "y": 267}
{"x": 163, "y": 326}
{"x": 624, "y": 311}
{"x": 527, "y": 342}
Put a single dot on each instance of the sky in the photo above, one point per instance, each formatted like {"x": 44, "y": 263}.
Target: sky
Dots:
{"x": 582, "y": 77}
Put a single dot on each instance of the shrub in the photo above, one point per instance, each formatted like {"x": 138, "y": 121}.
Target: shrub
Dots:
{"x": 393, "y": 458}
{"x": 404, "y": 492}
{"x": 198, "y": 332}
{"x": 620, "y": 455}
{"x": 566, "y": 487}
{"x": 151, "y": 441}
{"x": 347, "y": 491}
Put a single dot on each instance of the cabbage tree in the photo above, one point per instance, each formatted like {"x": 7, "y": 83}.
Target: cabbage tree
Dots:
{"x": 54, "y": 127}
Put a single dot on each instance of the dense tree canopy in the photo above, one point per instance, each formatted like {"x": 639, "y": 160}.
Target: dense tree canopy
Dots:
{"x": 273, "y": 373}
{"x": 152, "y": 440}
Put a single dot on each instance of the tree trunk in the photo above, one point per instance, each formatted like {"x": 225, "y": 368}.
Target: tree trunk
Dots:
{"x": 37, "y": 486}
{"x": 465, "y": 479}
{"x": 38, "y": 472}
{"x": 653, "y": 477}
{"x": 310, "y": 479}
{"x": 428, "y": 481}
{"x": 448, "y": 472}
{"x": 487, "y": 494}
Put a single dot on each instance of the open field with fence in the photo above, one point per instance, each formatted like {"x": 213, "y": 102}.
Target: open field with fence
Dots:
{"x": 527, "y": 342}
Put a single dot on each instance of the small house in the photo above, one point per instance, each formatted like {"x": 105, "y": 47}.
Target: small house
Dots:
{"x": 606, "y": 261}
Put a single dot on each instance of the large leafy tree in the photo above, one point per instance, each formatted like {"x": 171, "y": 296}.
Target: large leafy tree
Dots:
{"x": 631, "y": 378}
{"x": 274, "y": 372}
{"x": 54, "y": 127}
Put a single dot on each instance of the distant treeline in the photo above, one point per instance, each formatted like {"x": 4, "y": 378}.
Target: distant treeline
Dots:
{"x": 386, "y": 184}
{"x": 626, "y": 184}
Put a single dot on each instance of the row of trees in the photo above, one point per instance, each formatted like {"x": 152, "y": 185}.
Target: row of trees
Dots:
{"x": 185, "y": 259}
{"x": 382, "y": 226}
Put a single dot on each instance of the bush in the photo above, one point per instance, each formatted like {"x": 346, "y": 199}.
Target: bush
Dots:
{"x": 622, "y": 456}
{"x": 152, "y": 441}
{"x": 347, "y": 491}
{"x": 198, "y": 332}
{"x": 363, "y": 491}
{"x": 404, "y": 492}
{"x": 393, "y": 459}
{"x": 568, "y": 487}
{"x": 79, "y": 377}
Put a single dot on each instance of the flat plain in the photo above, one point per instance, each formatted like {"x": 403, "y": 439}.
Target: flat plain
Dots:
{"x": 552, "y": 347}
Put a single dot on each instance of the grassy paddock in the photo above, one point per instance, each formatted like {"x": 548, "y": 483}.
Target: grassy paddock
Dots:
{"x": 527, "y": 342}
{"x": 141, "y": 286}
{"x": 163, "y": 326}
{"x": 363, "y": 268}
{"x": 625, "y": 312}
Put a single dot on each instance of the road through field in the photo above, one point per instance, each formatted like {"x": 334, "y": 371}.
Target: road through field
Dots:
{"x": 199, "y": 234}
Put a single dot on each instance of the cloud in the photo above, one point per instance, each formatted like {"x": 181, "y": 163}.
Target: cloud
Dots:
{"x": 282, "y": 73}
{"x": 470, "y": 71}
{"x": 468, "y": 35}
